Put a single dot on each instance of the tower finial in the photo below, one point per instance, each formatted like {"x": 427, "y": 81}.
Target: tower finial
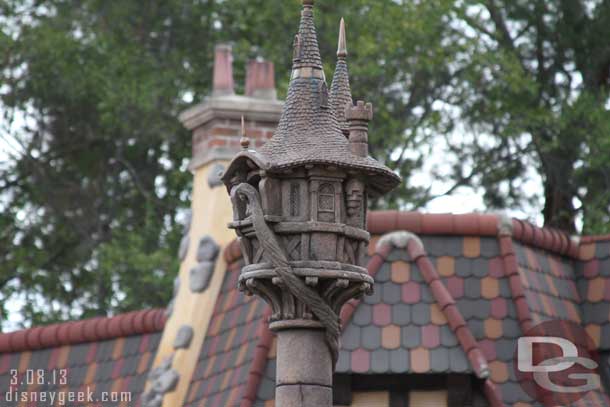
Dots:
{"x": 340, "y": 91}
{"x": 342, "y": 47}
{"x": 244, "y": 141}
{"x": 308, "y": 3}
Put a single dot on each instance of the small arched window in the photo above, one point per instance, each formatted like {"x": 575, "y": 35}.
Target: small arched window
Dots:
{"x": 326, "y": 203}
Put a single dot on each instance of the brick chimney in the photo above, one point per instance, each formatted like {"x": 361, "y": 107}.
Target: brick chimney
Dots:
{"x": 216, "y": 123}
{"x": 260, "y": 79}
{"x": 223, "y": 71}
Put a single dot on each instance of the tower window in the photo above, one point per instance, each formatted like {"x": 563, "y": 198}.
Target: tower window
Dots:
{"x": 326, "y": 203}
{"x": 295, "y": 194}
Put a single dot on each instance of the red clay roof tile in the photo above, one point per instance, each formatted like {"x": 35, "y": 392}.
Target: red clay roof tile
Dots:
{"x": 430, "y": 336}
{"x": 488, "y": 347}
{"x": 438, "y": 224}
{"x": 361, "y": 361}
{"x": 411, "y": 293}
{"x": 88, "y": 330}
{"x": 440, "y": 293}
{"x": 455, "y": 286}
{"x": 455, "y": 318}
{"x": 382, "y": 314}
{"x": 411, "y": 221}
{"x": 499, "y": 308}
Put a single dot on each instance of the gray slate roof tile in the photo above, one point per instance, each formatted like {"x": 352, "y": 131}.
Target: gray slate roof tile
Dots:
{"x": 343, "y": 363}
{"x": 489, "y": 247}
{"x": 371, "y": 337}
{"x": 439, "y": 360}
{"x": 410, "y": 336}
{"x": 391, "y": 292}
{"x": 380, "y": 361}
{"x": 420, "y": 314}
{"x": 479, "y": 267}
{"x": 363, "y": 315}
{"x": 399, "y": 360}
{"x": 350, "y": 338}
{"x": 448, "y": 338}
{"x": 401, "y": 314}
{"x": 383, "y": 274}
{"x": 457, "y": 360}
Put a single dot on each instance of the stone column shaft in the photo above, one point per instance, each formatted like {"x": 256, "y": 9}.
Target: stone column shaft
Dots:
{"x": 304, "y": 369}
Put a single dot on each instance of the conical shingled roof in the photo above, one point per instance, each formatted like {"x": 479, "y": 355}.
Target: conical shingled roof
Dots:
{"x": 308, "y": 132}
{"x": 306, "y": 50}
{"x": 340, "y": 91}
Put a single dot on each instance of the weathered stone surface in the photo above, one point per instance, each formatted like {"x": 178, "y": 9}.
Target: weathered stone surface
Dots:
{"x": 166, "y": 382}
{"x": 303, "y": 357}
{"x": 170, "y": 309}
{"x": 176, "y": 285}
{"x": 152, "y": 399}
{"x": 200, "y": 275}
{"x": 183, "y": 338}
{"x": 162, "y": 379}
{"x": 301, "y": 395}
{"x": 215, "y": 175}
{"x": 187, "y": 223}
{"x": 208, "y": 249}
{"x": 184, "y": 247}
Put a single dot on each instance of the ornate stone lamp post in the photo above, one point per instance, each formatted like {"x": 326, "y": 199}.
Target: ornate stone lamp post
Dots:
{"x": 299, "y": 206}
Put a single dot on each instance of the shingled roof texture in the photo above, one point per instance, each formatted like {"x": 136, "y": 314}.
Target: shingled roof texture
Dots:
{"x": 594, "y": 289}
{"x": 228, "y": 351}
{"x": 89, "y": 363}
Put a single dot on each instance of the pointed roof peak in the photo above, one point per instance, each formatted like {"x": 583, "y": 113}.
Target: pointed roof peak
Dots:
{"x": 342, "y": 46}
{"x": 306, "y": 49}
{"x": 340, "y": 90}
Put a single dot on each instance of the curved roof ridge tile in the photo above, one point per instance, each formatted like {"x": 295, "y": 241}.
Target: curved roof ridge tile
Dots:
{"x": 511, "y": 271}
{"x": 83, "y": 331}
{"x": 595, "y": 238}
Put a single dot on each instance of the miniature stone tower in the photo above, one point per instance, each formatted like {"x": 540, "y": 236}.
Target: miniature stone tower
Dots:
{"x": 299, "y": 208}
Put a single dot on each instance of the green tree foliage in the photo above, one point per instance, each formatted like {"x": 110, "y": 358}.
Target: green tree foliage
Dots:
{"x": 93, "y": 195}
{"x": 537, "y": 80}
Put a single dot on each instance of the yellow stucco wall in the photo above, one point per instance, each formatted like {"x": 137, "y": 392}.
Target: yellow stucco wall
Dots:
{"x": 211, "y": 211}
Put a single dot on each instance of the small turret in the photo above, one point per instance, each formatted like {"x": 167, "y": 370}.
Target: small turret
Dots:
{"x": 358, "y": 118}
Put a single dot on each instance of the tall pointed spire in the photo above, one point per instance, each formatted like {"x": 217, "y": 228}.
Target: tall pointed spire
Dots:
{"x": 340, "y": 92}
{"x": 307, "y": 120}
{"x": 309, "y": 132}
{"x": 306, "y": 50}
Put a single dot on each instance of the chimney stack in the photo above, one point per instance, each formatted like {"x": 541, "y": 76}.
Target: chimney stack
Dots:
{"x": 260, "y": 79}
{"x": 223, "y": 71}
{"x": 216, "y": 122}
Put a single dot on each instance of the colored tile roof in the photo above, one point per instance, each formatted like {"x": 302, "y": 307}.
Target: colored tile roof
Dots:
{"x": 593, "y": 285}
{"x": 234, "y": 346}
{"x": 498, "y": 284}
{"x": 96, "y": 355}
